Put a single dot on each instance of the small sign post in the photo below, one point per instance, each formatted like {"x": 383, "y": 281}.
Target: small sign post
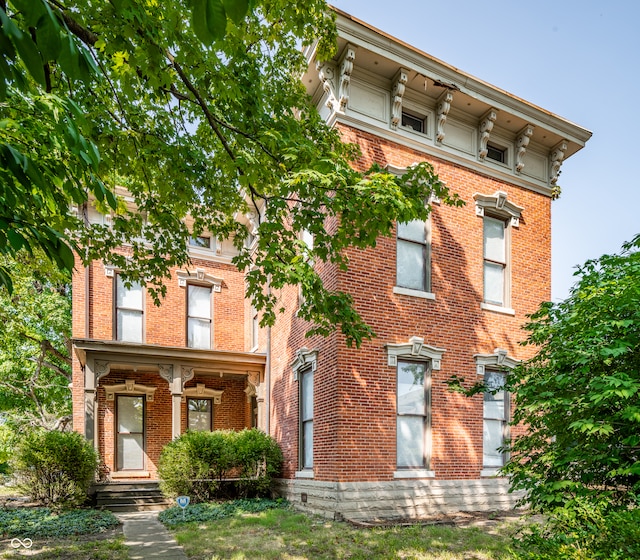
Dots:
{"x": 183, "y": 502}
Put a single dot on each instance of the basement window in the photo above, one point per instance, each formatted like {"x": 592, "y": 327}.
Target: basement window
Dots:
{"x": 413, "y": 122}
{"x": 496, "y": 153}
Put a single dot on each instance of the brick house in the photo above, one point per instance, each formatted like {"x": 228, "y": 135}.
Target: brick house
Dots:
{"x": 374, "y": 431}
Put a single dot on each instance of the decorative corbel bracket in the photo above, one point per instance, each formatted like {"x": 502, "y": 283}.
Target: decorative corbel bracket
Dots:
{"x": 186, "y": 373}
{"x": 444, "y": 105}
{"x": 166, "y": 372}
{"x": 346, "y": 68}
{"x": 399, "y": 85}
{"x": 484, "y": 129}
{"x": 522, "y": 141}
{"x": 327, "y": 74}
{"x": 101, "y": 368}
{"x": 556, "y": 157}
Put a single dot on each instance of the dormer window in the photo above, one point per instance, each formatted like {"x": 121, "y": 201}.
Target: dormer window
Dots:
{"x": 413, "y": 122}
{"x": 496, "y": 153}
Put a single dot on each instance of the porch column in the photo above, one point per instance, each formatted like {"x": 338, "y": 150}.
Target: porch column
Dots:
{"x": 260, "y": 393}
{"x": 176, "y": 376}
{"x": 93, "y": 371}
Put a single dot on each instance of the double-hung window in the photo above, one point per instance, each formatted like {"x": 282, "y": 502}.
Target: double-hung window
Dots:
{"x": 495, "y": 261}
{"x": 199, "y": 316}
{"x": 413, "y": 415}
{"x": 129, "y": 311}
{"x": 495, "y": 419}
{"x": 413, "y": 256}
{"x": 306, "y": 418}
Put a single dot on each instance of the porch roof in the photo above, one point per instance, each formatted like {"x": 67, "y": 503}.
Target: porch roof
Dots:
{"x": 150, "y": 355}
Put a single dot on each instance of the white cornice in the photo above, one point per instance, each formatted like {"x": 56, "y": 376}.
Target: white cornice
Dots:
{"x": 406, "y": 56}
{"x": 441, "y": 153}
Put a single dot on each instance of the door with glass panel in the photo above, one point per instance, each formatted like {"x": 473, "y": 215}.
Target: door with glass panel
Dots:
{"x": 130, "y": 432}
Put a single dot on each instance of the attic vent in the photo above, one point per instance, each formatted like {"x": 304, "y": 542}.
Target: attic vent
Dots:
{"x": 413, "y": 122}
{"x": 496, "y": 154}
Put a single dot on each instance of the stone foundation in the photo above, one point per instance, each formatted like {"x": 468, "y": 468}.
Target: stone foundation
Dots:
{"x": 398, "y": 499}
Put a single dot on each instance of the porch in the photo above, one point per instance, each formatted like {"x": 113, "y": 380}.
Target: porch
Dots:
{"x": 136, "y": 398}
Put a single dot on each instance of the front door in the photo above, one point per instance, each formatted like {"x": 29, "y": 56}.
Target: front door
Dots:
{"x": 130, "y": 432}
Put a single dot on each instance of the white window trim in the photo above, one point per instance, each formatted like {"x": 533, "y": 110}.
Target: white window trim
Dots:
{"x": 199, "y": 276}
{"x": 499, "y": 360}
{"x": 202, "y": 392}
{"x": 498, "y": 205}
{"x": 415, "y": 349}
{"x": 304, "y": 358}
{"x": 129, "y": 387}
{"x": 414, "y": 473}
{"x": 414, "y": 293}
{"x": 497, "y": 308}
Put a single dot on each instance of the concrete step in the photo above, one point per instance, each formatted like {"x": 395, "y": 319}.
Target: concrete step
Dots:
{"x": 128, "y": 508}
{"x": 130, "y": 496}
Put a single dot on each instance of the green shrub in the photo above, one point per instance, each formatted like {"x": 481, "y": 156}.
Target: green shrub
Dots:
{"x": 259, "y": 459}
{"x": 214, "y": 511}
{"x": 583, "y": 531}
{"x": 55, "y": 468}
{"x": 42, "y": 522}
{"x": 210, "y": 465}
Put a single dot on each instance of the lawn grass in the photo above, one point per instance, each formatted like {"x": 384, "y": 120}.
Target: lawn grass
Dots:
{"x": 286, "y": 535}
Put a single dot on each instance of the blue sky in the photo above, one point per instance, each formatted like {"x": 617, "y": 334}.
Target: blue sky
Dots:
{"x": 576, "y": 58}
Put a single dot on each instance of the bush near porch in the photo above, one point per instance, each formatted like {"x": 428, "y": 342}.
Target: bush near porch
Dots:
{"x": 55, "y": 468}
{"x": 211, "y": 465}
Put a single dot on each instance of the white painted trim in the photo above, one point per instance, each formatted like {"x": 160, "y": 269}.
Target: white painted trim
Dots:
{"x": 304, "y": 357}
{"x": 304, "y": 474}
{"x": 415, "y": 473}
{"x": 497, "y": 308}
{"x": 415, "y": 349}
{"x": 415, "y": 293}
{"x": 412, "y": 140}
{"x": 493, "y": 472}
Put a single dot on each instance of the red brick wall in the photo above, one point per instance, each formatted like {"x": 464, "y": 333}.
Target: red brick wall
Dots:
{"x": 229, "y": 414}
{"x": 355, "y": 391}
{"x": 164, "y": 325}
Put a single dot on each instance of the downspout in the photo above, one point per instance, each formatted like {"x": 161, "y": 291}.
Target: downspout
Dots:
{"x": 87, "y": 280}
{"x": 87, "y": 335}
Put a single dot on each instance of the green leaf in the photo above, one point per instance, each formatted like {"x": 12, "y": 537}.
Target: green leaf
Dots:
{"x": 236, "y": 9}
{"x": 209, "y": 20}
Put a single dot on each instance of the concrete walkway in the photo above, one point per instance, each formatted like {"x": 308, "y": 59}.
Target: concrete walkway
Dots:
{"x": 147, "y": 538}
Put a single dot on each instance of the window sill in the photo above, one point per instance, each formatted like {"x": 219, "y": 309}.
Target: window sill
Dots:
{"x": 304, "y": 474}
{"x": 414, "y": 293}
{"x": 415, "y": 473}
{"x": 497, "y": 308}
{"x": 493, "y": 472}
